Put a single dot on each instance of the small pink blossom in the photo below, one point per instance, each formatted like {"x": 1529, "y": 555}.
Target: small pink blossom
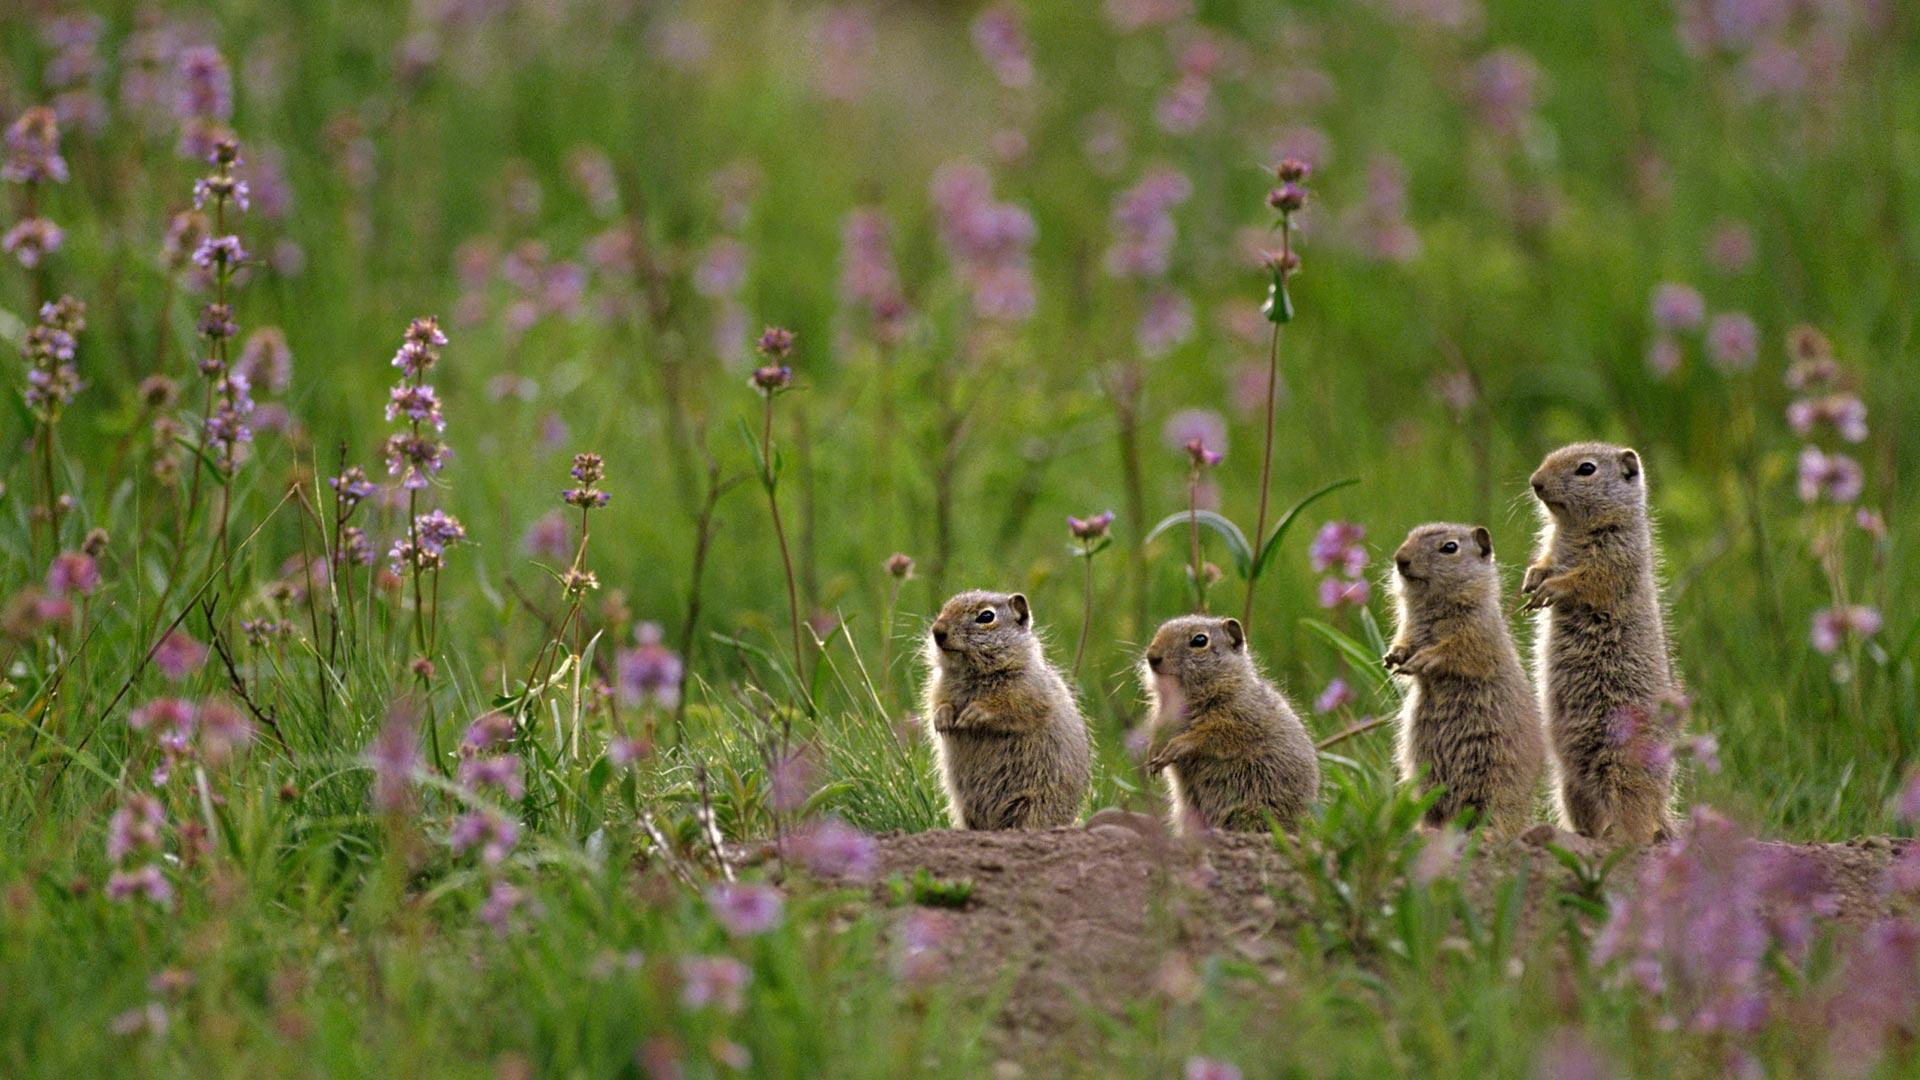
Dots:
{"x": 178, "y": 655}
{"x": 719, "y": 981}
{"x": 1834, "y": 627}
{"x": 1834, "y": 477}
{"x": 1338, "y": 695}
{"x": 745, "y": 909}
{"x": 1733, "y": 341}
{"x": 1335, "y": 592}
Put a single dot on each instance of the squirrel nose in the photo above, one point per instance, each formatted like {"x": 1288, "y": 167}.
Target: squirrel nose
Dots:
{"x": 1405, "y": 564}
{"x": 1539, "y": 488}
{"x": 1153, "y": 661}
{"x": 939, "y": 635}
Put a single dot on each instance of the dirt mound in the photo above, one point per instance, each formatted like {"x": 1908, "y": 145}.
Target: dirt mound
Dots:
{"x": 1066, "y": 923}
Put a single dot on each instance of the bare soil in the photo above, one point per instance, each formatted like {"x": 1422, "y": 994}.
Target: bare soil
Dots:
{"x": 1066, "y": 924}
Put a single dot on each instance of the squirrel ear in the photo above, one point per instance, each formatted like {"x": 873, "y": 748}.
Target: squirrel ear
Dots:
{"x": 1236, "y": 633}
{"x": 1630, "y": 463}
{"x": 1021, "y": 611}
{"x": 1484, "y": 538}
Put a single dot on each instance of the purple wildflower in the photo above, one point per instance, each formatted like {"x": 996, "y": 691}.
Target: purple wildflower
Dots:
{"x": 352, "y": 486}
{"x": 1733, "y": 341}
{"x": 649, "y": 672}
{"x": 1338, "y": 695}
{"x": 33, "y": 149}
{"x": 494, "y": 834}
{"x": 548, "y": 537}
{"x": 1093, "y": 528}
{"x": 1846, "y": 414}
{"x": 830, "y": 848}
{"x": 135, "y": 827}
{"x": 31, "y": 240}
{"x": 73, "y": 572}
{"x": 1339, "y": 545}
{"x": 1166, "y": 322}
{"x": 745, "y": 909}
{"x": 418, "y": 403}
{"x": 1335, "y": 592}
{"x": 1143, "y": 226}
{"x": 503, "y": 899}
{"x": 1001, "y": 36}
{"x": 1678, "y": 308}
{"x": 178, "y": 655}
{"x": 720, "y": 981}
{"x": 394, "y": 758}
{"x": 1204, "y": 426}
{"x": 1835, "y": 626}
{"x": 1834, "y": 477}
{"x": 147, "y": 881}
{"x": 989, "y": 241}
{"x": 415, "y": 459}
{"x": 1206, "y": 1068}
{"x": 503, "y": 771}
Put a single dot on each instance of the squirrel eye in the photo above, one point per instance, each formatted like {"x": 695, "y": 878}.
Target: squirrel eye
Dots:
{"x": 1199, "y": 641}
{"x": 1449, "y": 548}
{"x": 984, "y": 617}
{"x": 1587, "y": 468}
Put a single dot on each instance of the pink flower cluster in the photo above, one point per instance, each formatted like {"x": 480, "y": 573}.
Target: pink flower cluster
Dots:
{"x": 1339, "y": 553}
{"x": 1731, "y": 339}
{"x": 990, "y": 242}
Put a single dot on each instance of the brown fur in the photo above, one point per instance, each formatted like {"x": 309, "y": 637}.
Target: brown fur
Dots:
{"x": 1601, "y": 654}
{"x": 1010, "y": 742}
{"x": 1234, "y": 750}
{"x": 1470, "y": 723}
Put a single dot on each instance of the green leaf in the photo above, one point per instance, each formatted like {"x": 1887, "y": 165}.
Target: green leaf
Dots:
{"x": 1286, "y": 521}
{"x": 1236, "y": 540}
{"x": 1364, "y": 661}
{"x": 1279, "y": 306}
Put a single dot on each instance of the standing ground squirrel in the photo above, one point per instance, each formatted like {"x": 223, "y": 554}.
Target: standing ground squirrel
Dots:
{"x": 1470, "y": 722}
{"x": 1010, "y": 741}
{"x": 1601, "y": 650}
{"x": 1234, "y": 750}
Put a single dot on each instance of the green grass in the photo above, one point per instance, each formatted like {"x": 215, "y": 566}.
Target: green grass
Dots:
{"x": 317, "y": 935}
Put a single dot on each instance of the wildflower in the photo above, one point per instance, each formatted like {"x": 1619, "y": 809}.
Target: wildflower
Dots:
{"x": 1846, "y": 414}
{"x": 1663, "y": 356}
{"x": 1335, "y": 592}
{"x": 494, "y": 834}
{"x": 577, "y": 583}
{"x": 1833, "y": 627}
{"x": 1001, "y": 36}
{"x": 185, "y": 232}
{"x": 649, "y": 672}
{"x": 1206, "y": 1068}
{"x": 1730, "y": 247}
{"x": 94, "y": 544}
{"x": 31, "y": 240}
{"x": 148, "y": 882}
{"x": 745, "y": 909}
{"x": 1834, "y": 477}
{"x": 720, "y": 981}
{"x": 1733, "y": 341}
{"x": 486, "y": 732}
{"x": 1203, "y": 426}
{"x": 420, "y": 346}
{"x": 1338, "y": 695}
{"x": 1288, "y": 198}
{"x": 33, "y": 149}
{"x": 417, "y": 403}
{"x": 1143, "y": 226}
{"x": 722, "y": 269}
{"x": 503, "y": 771}
{"x": 588, "y": 469}
{"x": 352, "y": 486}
{"x": 1871, "y": 1012}
{"x": 1678, "y": 308}
{"x": 73, "y": 572}
{"x": 221, "y": 189}
{"x": 624, "y": 752}
{"x": 223, "y": 730}
{"x": 770, "y": 379}
{"x": 830, "y": 848}
{"x": 1166, "y": 321}
{"x": 547, "y": 536}
{"x": 354, "y": 548}
{"x": 775, "y": 343}
{"x": 414, "y": 459}
{"x": 223, "y": 252}
{"x": 990, "y": 241}
{"x": 178, "y": 655}
{"x": 394, "y": 757}
{"x": 1093, "y": 528}
{"x": 900, "y": 565}
{"x": 503, "y": 899}
{"x": 1339, "y": 545}
{"x": 918, "y": 948}
{"x": 135, "y": 827}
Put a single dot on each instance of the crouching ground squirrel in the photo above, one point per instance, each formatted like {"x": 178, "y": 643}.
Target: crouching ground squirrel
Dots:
{"x": 1470, "y": 723}
{"x": 1010, "y": 741}
{"x": 1234, "y": 750}
{"x": 1601, "y": 649}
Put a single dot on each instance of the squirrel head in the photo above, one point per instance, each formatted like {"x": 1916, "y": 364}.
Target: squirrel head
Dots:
{"x": 1195, "y": 652}
{"x": 1444, "y": 560}
{"x": 1588, "y": 483}
{"x": 981, "y": 631}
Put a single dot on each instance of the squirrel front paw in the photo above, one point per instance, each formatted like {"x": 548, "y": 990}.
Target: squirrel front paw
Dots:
{"x": 1547, "y": 591}
{"x": 1394, "y": 659}
{"x": 945, "y": 718}
{"x": 1418, "y": 662}
{"x": 1535, "y": 576}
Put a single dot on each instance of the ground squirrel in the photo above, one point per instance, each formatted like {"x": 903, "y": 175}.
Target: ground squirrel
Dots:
{"x": 1470, "y": 723}
{"x": 1601, "y": 650}
{"x": 1010, "y": 741}
{"x": 1234, "y": 750}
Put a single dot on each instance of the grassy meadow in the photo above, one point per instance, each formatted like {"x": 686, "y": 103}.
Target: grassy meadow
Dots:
{"x": 443, "y": 766}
